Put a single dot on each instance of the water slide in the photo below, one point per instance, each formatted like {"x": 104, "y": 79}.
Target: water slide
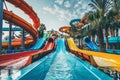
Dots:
{"x": 21, "y": 4}
{"x": 32, "y": 29}
{"x": 65, "y": 29}
{"x": 99, "y": 59}
{"x": 22, "y": 59}
{"x": 74, "y": 22}
{"x": 18, "y": 41}
{"x": 90, "y": 44}
{"x": 39, "y": 43}
{"x": 60, "y": 65}
{"x": 94, "y": 47}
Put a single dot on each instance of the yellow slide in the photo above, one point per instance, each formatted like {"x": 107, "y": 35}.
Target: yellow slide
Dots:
{"x": 99, "y": 59}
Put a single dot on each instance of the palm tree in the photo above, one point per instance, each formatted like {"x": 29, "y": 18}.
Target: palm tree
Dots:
{"x": 116, "y": 15}
{"x": 101, "y": 8}
{"x": 89, "y": 30}
{"x": 79, "y": 37}
{"x": 105, "y": 24}
{"x": 41, "y": 30}
{"x": 93, "y": 33}
{"x": 94, "y": 19}
{"x": 117, "y": 26}
{"x": 112, "y": 20}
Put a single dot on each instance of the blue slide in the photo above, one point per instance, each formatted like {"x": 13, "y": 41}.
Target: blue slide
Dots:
{"x": 90, "y": 44}
{"x": 38, "y": 44}
{"x": 59, "y": 65}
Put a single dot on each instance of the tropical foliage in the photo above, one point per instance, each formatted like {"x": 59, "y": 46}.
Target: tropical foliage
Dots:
{"x": 41, "y": 30}
{"x": 105, "y": 16}
{"x": 104, "y": 20}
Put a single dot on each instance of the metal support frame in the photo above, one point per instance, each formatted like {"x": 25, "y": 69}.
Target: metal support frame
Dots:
{"x": 23, "y": 40}
{"x": 1, "y": 23}
{"x": 10, "y": 36}
{"x": 13, "y": 29}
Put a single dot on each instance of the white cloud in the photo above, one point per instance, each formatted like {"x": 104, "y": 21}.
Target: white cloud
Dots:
{"x": 62, "y": 14}
{"x": 79, "y": 9}
{"x": 48, "y": 9}
{"x": 59, "y": 1}
{"x": 78, "y": 4}
{"x": 67, "y": 4}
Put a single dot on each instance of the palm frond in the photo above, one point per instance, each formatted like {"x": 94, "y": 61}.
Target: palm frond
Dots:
{"x": 93, "y": 6}
{"x": 96, "y": 2}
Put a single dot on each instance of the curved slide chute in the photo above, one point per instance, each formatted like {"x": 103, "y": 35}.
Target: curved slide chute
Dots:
{"x": 40, "y": 42}
{"x": 22, "y": 59}
{"x": 17, "y": 42}
{"x": 90, "y": 44}
{"x": 65, "y": 29}
{"x": 20, "y": 22}
{"x": 9, "y": 16}
{"x": 27, "y": 9}
{"x": 74, "y": 21}
{"x": 99, "y": 59}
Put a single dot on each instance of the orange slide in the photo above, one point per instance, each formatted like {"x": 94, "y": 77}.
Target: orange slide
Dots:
{"x": 18, "y": 41}
{"x": 28, "y": 10}
{"x": 23, "y": 59}
{"x": 65, "y": 29}
{"x": 9, "y": 16}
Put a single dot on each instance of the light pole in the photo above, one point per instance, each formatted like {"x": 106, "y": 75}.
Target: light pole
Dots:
{"x": 23, "y": 40}
{"x": 10, "y": 31}
{"x": 1, "y": 23}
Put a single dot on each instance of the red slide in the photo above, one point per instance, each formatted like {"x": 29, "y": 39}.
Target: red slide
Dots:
{"x": 21, "y": 4}
{"x": 32, "y": 29}
{"x": 22, "y": 59}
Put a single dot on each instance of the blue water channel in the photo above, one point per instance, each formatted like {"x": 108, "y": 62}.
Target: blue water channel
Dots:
{"x": 60, "y": 65}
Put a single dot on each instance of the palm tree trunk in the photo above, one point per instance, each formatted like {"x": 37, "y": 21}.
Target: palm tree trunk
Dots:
{"x": 79, "y": 43}
{"x": 112, "y": 32}
{"x": 106, "y": 36}
{"x": 107, "y": 44}
{"x": 117, "y": 32}
{"x": 93, "y": 38}
{"x": 100, "y": 39}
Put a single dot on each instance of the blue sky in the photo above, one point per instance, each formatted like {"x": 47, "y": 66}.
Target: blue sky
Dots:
{"x": 54, "y": 13}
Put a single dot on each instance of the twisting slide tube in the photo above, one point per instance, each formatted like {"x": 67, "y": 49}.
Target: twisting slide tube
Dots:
{"x": 65, "y": 29}
{"x": 21, "y": 4}
{"x": 9, "y": 16}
